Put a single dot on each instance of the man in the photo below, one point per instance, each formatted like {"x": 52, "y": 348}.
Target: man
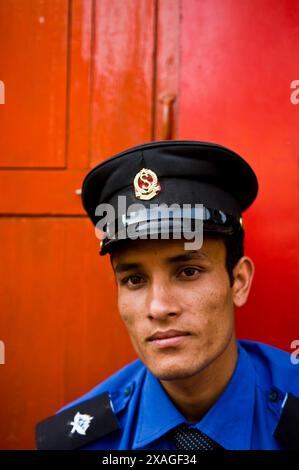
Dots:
{"x": 194, "y": 386}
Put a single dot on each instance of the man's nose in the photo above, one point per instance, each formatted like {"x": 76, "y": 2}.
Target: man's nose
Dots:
{"x": 162, "y": 302}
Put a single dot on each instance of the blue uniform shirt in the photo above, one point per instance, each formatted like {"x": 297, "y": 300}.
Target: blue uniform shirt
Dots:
{"x": 244, "y": 417}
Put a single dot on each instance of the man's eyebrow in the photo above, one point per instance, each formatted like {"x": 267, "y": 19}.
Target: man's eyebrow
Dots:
{"x": 191, "y": 255}
{"x": 122, "y": 267}
{"x": 187, "y": 257}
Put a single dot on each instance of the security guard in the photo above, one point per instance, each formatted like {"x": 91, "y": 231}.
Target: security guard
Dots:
{"x": 194, "y": 385}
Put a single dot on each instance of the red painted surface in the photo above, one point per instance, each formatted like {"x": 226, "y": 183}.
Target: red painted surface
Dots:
{"x": 238, "y": 60}
{"x": 122, "y": 84}
{"x": 33, "y": 38}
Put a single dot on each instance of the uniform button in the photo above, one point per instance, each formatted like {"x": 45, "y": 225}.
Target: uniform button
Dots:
{"x": 273, "y": 395}
{"x": 127, "y": 391}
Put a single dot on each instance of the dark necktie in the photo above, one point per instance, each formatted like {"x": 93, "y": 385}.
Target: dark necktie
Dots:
{"x": 186, "y": 438}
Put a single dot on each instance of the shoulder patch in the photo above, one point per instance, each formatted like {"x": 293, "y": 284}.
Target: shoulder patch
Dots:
{"x": 287, "y": 430}
{"x": 78, "y": 425}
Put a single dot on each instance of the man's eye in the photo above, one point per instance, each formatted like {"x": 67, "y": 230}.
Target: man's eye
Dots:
{"x": 190, "y": 272}
{"x": 133, "y": 280}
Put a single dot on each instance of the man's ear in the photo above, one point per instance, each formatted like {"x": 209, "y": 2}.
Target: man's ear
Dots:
{"x": 243, "y": 275}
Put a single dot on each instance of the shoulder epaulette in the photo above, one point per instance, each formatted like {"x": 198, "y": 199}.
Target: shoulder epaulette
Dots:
{"x": 78, "y": 425}
{"x": 287, "y": 429}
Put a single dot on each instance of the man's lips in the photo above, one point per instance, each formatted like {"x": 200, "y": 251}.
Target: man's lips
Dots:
{"x": 167, "y": 334}
{"x": 168, "y": 338}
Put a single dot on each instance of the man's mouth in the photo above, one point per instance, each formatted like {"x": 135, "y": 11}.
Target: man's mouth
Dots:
{"x": 168, "y": 338}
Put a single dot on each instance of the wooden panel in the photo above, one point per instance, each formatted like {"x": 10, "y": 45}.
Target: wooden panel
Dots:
{"x": 33, "y": 42}
{"x": 59, "y": 321}
{"x": 80, "y": 83}
{"x": 167, "y": 70}
{"x": 122, "y": 88}
{"x": 238, "y": 61}
{"x": 41, "y": 192}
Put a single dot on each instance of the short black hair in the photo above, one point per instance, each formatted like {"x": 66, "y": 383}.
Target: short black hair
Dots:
{"x": 234, "y": 245}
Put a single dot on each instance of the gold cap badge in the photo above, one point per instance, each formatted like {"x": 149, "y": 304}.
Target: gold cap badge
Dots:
{"x": 146, "y": 184}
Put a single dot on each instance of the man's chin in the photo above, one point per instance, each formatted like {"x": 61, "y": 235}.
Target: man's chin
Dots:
{"x": 173, "y": 372}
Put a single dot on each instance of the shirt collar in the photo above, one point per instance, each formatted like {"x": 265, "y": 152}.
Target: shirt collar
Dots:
{"x": 157, "y": 413}
{"x": 228, "y": 422}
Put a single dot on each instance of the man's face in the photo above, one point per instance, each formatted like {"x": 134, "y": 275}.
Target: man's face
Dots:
{"x": 177, "y": 304}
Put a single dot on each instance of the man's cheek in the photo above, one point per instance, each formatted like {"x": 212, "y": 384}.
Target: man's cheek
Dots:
{"x": 131, "y": 321}
{"x": 216, "y": 301}
{"x": 127, "y": 318}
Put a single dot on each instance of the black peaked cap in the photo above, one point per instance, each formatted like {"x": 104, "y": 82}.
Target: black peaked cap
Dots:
{"x": 188, "y": 172}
